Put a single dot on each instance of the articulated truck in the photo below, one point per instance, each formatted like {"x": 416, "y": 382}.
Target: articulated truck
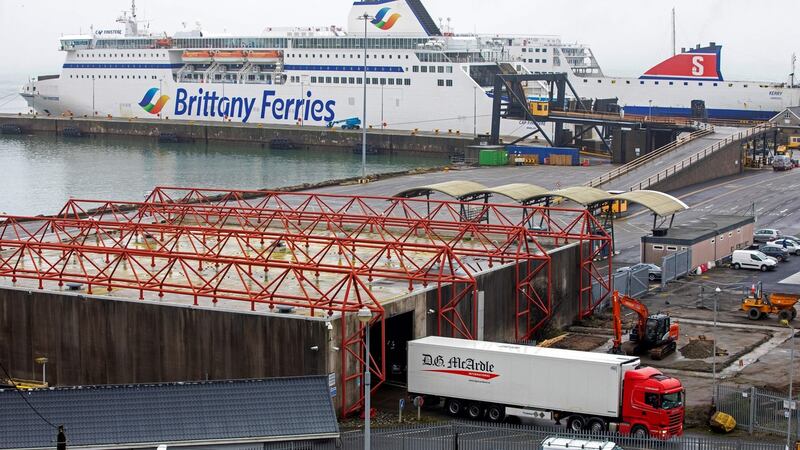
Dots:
{"x": 590, "y": 391}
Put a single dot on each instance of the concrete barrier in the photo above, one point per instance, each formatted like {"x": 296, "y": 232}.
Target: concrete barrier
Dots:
{"x": 304, "y": 136}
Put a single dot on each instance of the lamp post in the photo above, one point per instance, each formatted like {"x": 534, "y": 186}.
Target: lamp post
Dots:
{"x": 364, "y": 316}
{"x": 366, "y": 18}
{"x": 94, "y": 111}
{"x": 649, "y": 109}
{"x": 714, "y": 347}
{"x": 160, "y": 90}
{"x": 43, "y": 361}
{"x": 791, "y": 383}
{"x": 474, "y": 110}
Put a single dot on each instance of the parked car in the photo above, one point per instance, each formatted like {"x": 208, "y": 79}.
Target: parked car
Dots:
{"x": 752, "y": 259}
{"x": 774, "y": 251}
{"x": 782, "y": 162}
{"x": 792, "y": 245}
{"x": 653, "y": 271}
{"x": 766, "y": 235}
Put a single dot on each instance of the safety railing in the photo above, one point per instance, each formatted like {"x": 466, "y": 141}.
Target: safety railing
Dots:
{"x": 704, "y": 130}
{"x": 702, "y": 154}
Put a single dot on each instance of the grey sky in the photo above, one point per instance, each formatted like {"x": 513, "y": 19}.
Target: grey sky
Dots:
{"x": 627, "y": 36}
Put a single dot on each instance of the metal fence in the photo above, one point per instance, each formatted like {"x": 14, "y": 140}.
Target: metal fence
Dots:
{"x": 633, "y": 283}
{"x": 476, "y": 436}
{"x": 676, "y": 265}
{"x": 757, "y": 410}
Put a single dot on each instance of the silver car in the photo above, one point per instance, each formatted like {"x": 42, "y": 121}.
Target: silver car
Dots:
{"x": 766, "y": 235}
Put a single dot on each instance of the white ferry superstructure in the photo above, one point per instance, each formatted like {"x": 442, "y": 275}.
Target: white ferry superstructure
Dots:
{"x": 420, "y": 75}
{"x": 417, "y": 78}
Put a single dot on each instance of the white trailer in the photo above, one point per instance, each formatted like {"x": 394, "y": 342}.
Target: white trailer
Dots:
{"x": 591, "y": 390}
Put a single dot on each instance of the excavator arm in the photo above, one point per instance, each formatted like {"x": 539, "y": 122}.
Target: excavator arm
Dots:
{"x": 659, "y": 348}
{"x": 617, "y": 302}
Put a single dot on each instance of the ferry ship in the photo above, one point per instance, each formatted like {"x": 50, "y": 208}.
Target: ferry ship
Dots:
{"x": 417, "y": 76}
{"x": 420, "y": 75}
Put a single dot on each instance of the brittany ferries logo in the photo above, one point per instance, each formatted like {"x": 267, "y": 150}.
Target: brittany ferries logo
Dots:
{"x": 147, "y": 101}
{"x": 384, "y": 23}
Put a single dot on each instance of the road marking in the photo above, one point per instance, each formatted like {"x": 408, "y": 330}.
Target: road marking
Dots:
{"x": 794, "y": 279}
{"x": 783, "y": 211}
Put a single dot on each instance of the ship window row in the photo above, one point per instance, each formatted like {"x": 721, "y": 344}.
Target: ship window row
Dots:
{"x": 230, "y": 43}
{"x": 534, "y": 50}
{"x": 344, "y": 56}
{"x": 670, "y": 83}
{"x": 443, "y": 83}
{"x": 356, "y": 80}
{"x": 120, "y": 55}
{"x": 542, "y": 60}
{"x": 114, "y": 77}
{"x": 383, "y": 43}
{"x": 432, "y": 69}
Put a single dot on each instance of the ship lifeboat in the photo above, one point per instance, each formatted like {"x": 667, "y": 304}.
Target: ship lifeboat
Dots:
{"x": 164, "y": 43}
{"x": 229, "y": 56}
{"x": 264, "y": 56}
{"x": 197, "y": 56}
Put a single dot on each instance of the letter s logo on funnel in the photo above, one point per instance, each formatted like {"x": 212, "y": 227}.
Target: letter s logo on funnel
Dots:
{"x": 384, "y": 23}
{"x": 147, "y": 101}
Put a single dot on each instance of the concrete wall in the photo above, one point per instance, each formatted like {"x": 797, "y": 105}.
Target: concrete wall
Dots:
{"x": 307, "y": 136}
{"x": 499, "y": 287}
{"x": 722, "y": 163}
{"x": 97, "y": 341}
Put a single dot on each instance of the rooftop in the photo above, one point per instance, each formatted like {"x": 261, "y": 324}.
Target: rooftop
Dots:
{"x": 701, "y": 228}
{"x": 256, "y": 410}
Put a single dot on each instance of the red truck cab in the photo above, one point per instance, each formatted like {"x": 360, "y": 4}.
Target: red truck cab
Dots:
{"x": 652, "y": 404}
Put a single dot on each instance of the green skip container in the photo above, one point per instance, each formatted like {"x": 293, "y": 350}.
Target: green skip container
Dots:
{"x": 493, "y": 158}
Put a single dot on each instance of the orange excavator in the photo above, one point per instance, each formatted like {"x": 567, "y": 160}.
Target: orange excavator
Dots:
{"x": 655, "y": 333}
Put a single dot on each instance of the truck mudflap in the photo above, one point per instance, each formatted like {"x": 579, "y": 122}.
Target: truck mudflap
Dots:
{"x": 529, "y": 412}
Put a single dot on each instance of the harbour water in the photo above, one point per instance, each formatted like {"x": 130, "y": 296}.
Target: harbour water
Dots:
{"x": 38, "y": 173}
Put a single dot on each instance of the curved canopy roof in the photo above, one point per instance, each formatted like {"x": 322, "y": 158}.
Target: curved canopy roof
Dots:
{"x": 583, "y": 195}
{"x": 519, "y": 192}
{"x": 660, "y": 203}
{"x": 456, "y": 188}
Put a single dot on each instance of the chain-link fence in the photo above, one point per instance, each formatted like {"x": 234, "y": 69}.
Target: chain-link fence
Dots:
{"x": 758, "y": 410}
{"x": 476, "y": 436}
{"x": 676, "y": 265}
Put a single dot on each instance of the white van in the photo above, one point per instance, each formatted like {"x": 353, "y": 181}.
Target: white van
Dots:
{"x": 752, "y": 259}
{"x": 556, "y": 443}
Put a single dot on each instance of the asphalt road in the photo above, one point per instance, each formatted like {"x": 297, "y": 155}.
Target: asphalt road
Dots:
{"x": 771, "y": 193}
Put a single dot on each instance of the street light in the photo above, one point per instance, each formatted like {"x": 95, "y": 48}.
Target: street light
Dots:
{"x": 714, "y": 348}
{"x": 43, "y": 361}
{"x": 364, "y": 316}
{"x": 791, "y": 382}
{"x": 366, "y": 18}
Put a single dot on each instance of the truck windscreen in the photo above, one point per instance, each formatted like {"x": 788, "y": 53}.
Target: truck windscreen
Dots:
{"x": 673, "y": 400}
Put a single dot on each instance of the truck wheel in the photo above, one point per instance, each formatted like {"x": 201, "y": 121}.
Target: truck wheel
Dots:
{"x": 640, "y": 432}
{"x": 474, "y": 411}
{"x": 753, "y": 314}
{"x": 576, "y": 424}
{"x": 454, "y": 406}
{"x": 597, "y": 425}
{"x": 495, "y": 413}
{"x": 736, "y": 266}
{"x": 785, "y": 314}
